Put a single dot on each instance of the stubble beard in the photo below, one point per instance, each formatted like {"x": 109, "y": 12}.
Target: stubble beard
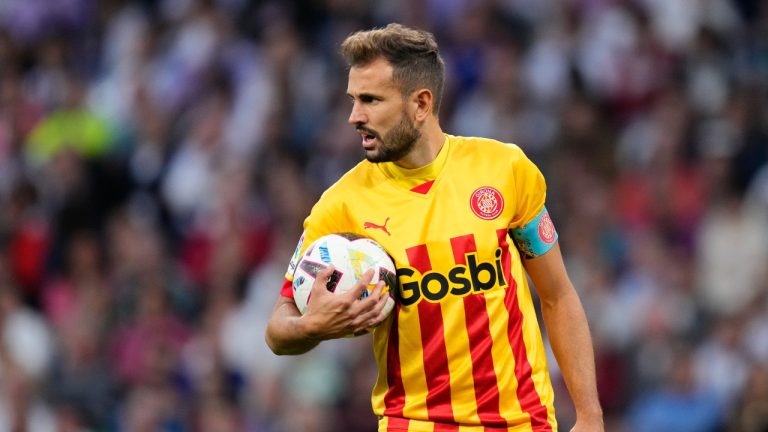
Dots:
{"x": 397, "y": 143}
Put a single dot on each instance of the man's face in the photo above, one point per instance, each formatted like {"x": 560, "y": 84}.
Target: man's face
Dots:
{"x": 379, "y": 113}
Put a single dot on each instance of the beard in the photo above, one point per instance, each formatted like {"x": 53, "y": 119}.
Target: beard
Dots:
{"x": 396, "y": 143}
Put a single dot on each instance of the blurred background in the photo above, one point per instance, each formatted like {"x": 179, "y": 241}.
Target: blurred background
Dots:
{"x": 157, "y": 159}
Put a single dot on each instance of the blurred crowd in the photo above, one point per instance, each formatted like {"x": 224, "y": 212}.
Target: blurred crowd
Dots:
{"x": 157, "y": 159}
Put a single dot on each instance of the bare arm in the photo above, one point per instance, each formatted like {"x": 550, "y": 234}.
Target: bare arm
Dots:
{"x": 285, "y": 332}
{"x": 568, "y": 333}
{"x": 328, "y": 316}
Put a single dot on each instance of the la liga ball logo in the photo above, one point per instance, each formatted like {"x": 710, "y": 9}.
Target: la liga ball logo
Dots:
{"x": 486, "y": 202}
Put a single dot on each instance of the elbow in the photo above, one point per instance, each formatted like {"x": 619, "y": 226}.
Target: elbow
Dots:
{"x": 280, "y": 347}
{"x": 273, "y": 344}
{"x": 285, "y": 350}
{"x": 276, "y": 348}
{"x": 284, "y": 337}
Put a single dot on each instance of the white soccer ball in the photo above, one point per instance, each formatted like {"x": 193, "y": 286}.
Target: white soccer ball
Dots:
{"x": 351, "y": 256}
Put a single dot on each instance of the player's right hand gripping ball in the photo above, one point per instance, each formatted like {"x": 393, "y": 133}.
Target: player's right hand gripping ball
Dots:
{"x": 351, "y": 256}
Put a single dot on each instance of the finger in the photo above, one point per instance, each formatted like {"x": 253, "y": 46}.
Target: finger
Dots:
{"x": 378, "y": 294}
{"x": 380, "y": 305}
{"x": 370, "y": 323}
{"x": 368, "y": 304}
{"x": 360, "y": 286}
{"x": 321, "y": 280}
{"x": 374, "y": 313}
{"x": 374, "y": 294}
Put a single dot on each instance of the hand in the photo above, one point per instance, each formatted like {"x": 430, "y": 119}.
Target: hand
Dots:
{"x": 334, "y": 315}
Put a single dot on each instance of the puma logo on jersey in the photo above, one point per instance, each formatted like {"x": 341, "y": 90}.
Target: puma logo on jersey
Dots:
{"x": 372, "y": 225}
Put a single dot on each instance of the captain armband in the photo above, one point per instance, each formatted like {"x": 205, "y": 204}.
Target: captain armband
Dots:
{"x": 536, "y": 237}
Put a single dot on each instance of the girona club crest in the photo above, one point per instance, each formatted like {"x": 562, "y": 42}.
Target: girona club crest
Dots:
{"x": 487, "y": 202}
{"x": 546, "y": 229}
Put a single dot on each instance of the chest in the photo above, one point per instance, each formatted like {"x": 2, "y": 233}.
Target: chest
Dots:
{"x": 459, "y": 220}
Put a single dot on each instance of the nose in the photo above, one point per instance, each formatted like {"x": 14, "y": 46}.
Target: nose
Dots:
{"x": 357, "y": 116}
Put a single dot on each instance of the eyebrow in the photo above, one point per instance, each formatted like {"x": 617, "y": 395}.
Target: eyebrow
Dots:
{"x": 365, "y": 94}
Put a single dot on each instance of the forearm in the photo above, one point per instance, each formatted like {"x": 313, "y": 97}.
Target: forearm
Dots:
{"x": 286, "y": 334}
{"x": 569, "y": 336}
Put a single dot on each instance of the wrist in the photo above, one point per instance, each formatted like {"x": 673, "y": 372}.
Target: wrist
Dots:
{"x": 306, "y": 330}
{"x": 590, "y": 414}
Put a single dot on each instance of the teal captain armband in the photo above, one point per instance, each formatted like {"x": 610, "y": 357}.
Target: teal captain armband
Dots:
{"x": 536, "y": 237}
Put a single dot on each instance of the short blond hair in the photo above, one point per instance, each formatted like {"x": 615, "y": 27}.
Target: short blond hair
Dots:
{"x": 413, "y": 54}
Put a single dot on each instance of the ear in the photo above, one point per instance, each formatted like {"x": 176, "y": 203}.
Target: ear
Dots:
{"x": 423, "y": 101}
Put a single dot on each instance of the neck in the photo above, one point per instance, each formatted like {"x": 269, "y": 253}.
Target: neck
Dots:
{"x": 426, "y": 149}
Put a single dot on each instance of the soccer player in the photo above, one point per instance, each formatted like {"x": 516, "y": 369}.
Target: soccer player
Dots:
{"x": 464, "y": 220}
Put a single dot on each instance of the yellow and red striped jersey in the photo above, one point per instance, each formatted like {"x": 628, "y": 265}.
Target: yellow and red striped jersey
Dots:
{"x": 462, "y": 350}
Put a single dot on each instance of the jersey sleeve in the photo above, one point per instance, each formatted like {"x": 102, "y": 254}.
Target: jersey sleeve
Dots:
{"x": 531, "y": 227}
{"x": 326, "y": 217}
{"x": 530, "y": 189}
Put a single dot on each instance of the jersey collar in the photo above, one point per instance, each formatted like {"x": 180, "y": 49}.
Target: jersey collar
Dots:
{"x": 410, "y": 178}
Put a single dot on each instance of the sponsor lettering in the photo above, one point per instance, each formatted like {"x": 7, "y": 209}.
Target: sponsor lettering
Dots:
{"x": 463, "y": 279}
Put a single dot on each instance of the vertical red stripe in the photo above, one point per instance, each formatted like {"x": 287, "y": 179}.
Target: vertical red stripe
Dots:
{"x": 418, "y": 258}
{"x": 480, "y": 343}
{"x": 433, "y": 346}
{"x": 483, "y": 373}
{"x": 394, "y": 400}
{"x": 461, "y": 246}
{"x": 529, "y": 399}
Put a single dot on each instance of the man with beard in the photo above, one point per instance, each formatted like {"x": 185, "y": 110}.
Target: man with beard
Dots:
{"x": 464, "y": 220}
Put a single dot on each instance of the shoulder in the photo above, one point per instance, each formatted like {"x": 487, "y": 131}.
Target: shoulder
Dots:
{"x": 361, "y": 176}
{"x": 350, "y": 185}
{"x": 487, "y": 148}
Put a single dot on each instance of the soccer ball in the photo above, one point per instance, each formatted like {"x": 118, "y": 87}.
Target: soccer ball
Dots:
{"x": 351, "y": 256}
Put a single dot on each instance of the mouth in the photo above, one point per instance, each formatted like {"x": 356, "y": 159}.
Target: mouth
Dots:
{"x": 369, "y": 138}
